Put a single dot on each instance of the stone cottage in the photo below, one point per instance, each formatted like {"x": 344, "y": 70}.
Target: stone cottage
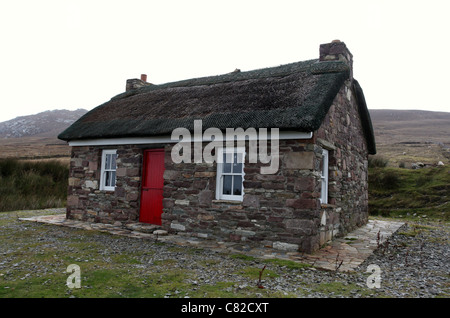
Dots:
{"x": 310, "y": 119}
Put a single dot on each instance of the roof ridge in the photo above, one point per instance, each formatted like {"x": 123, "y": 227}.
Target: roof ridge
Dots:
{"x": 274, "y": 71}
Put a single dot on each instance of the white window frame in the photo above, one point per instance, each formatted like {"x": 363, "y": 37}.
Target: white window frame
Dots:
{"x": 324, "y": 177}
{"x": 105, "y": 171}
{"x": 220, "y": 174}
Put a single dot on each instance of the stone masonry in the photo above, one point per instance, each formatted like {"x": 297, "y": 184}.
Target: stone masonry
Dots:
{"x": 276, "y": 209}
{"x": 86, "y": 202}
{"x": 341, "y": 132}
{"x": 282, "y": 210}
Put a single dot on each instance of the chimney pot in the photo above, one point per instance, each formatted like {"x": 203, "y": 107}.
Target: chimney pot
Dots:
{"x": 144, "y": 77}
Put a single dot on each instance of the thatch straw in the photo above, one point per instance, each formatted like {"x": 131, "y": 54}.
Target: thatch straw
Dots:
{"x": 293, "y": 96}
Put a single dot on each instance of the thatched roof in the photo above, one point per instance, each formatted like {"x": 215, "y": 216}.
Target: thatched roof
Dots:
{"x": 295, "y": 96}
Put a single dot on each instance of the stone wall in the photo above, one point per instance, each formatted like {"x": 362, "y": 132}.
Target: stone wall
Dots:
{"x": 348, "y": 167}
{"x": 282, "y": 210}
{"x": 86, "y": 202}
{"x": 279, "y": 210}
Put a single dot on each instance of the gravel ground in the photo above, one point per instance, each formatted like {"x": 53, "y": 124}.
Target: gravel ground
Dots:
{"x": 415, "y": 263}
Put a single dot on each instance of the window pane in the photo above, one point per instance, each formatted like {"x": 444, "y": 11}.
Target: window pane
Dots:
{"x": 321, "y": 166}
{"x": 237, "y": 185}
{"x": 238, "y": 157}
{"x": 227, "y": 184}
{"x": 107, "y": 161}
{"x": 113, "y": 178}
{"x": 107, "y": 179}
{"x": 324, "y": 192}
{"x": 237, "y": 163}
{"x": 227, "y": 159}
{"x": 113, "y": 161}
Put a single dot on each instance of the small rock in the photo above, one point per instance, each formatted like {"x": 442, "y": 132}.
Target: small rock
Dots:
{"x": 160, "y": 232}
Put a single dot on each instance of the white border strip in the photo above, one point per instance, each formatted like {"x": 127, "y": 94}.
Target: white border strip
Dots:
{"x": 168, "y": 139}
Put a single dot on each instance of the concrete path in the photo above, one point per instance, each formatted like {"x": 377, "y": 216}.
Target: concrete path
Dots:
{"x": 342, "y": 254}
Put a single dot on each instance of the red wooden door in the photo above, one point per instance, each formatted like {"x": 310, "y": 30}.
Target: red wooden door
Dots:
{"x": 152, "y": 186}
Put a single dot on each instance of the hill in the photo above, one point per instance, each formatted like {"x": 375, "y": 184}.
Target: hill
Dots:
{"x": 409, "y": 136}
{"x": 46, "y": 124}
{"x": 35, "y": 136}
{"x": 394, "y": 126}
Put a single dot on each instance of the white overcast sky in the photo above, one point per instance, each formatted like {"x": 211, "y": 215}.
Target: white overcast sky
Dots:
{"x": 65, "y": 54}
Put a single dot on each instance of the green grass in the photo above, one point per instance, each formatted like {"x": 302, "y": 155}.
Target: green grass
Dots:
{"x": 404, "y": 192}
{"x": 288, "y": 264}
{"x": 243, "y": 257}
{"x": 37, "y": 255}
{"x": 341, "y": 289}
{"x": 253, "y": 273}
{"x": 37, "y": 269}
{"x": 377, "y": 161}
{"x": 416, "y": 229}
{"x": 32, "y": 185}
{"x": 275, "y": 261}
{"x": 34, "y": 258}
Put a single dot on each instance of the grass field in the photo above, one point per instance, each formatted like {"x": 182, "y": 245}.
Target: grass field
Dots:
{"x": 112, "y": 266}
{"x": 408, "y": 153}
{"x": 35, "y": 257}
{"x": 32, "y": 184}
{"x": 401, "y": 192}
{"x": 34, "y": 148}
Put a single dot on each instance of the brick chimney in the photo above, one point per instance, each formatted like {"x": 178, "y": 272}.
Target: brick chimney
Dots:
{"x": 135, "y": 83}
{"x": 336, "y": 51}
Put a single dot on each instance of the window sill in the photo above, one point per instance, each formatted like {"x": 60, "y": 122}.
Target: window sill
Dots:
{"x": 107, "y": 191}
{"x": 228, "y": 202}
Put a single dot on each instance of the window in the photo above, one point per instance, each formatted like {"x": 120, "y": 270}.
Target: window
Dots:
{"x": 324, "y": 177}
{"x": 230, "y": 174}
{"x": 108, "y": 171}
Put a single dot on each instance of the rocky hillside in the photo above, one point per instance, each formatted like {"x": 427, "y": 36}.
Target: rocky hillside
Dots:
{"x": 46, "y": 124}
